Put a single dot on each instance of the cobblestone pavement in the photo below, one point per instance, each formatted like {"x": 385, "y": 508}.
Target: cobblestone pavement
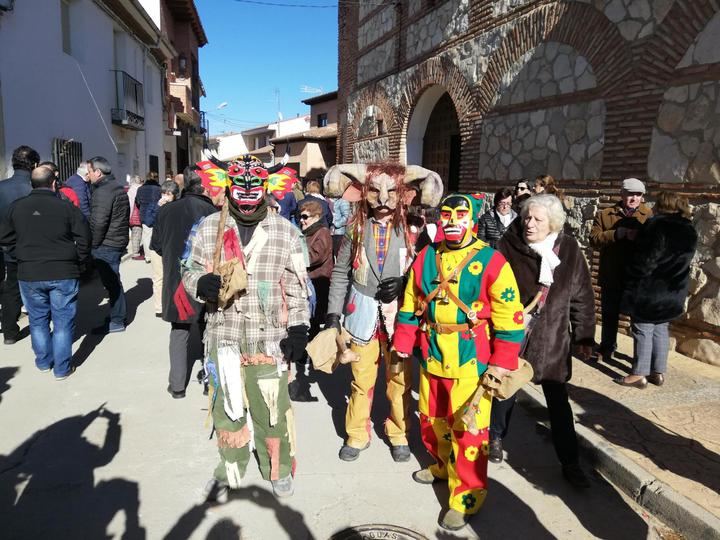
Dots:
{"x": 108, "y": 453}
{"x": 673, "y": 431}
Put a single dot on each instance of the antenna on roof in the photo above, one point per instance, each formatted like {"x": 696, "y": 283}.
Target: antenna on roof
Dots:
{"x": 305, "y": 89}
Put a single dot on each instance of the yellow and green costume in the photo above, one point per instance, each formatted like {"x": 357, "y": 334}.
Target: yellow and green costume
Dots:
{"x": 462, "y": 308}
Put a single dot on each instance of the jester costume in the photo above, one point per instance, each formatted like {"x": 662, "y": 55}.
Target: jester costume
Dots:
{"x": 366, "y": 283}
{"x": 251, "y": 337}
{"x": 462, "y": 302}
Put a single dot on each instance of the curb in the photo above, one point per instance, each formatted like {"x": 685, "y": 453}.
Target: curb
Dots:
{"x": 657, "y": 497}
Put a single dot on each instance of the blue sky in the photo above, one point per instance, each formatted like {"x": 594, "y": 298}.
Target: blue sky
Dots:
{"x": 256, "y": 49}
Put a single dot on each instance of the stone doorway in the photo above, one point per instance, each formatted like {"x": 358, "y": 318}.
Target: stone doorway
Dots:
{"x": 441, "y": 144}
{"x": 432, "y": 138}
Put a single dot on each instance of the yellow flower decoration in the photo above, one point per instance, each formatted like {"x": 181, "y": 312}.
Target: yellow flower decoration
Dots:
{"x": 472, "y": 453}
{"x": 477, "y": 306}
{"x": 485, "y": 448}
{"x": 475, "y": 268}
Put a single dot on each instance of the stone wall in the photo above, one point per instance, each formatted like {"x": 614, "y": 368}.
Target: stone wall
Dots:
{"x": 371, "y": 151}
{"x": 590, "y": 91}
{"x": 376, "y": 26}
{"x": 450, "y": 19}
{"x": 565, "y": 142}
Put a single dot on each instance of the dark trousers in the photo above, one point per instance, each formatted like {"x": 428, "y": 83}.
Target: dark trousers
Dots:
{"x": 561, "y": 421}
{"x": 11, "y": 301}
{"x": 610, "y": 308}
{"x": 185, "y": 348}
{"x": 107, "y": 262}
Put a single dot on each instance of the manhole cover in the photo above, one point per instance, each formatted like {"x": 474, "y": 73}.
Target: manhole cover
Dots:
{"x": 377, "y": 532}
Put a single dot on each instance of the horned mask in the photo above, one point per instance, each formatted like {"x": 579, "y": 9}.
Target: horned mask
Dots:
{"x": 384, "y": 184}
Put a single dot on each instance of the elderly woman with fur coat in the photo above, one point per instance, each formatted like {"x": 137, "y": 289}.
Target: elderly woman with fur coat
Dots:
{"x": 657, "y": 280}
{"x": 549, "y": 266}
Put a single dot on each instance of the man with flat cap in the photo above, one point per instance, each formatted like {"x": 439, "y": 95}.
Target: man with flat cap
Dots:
{"x": 613, "y": 233}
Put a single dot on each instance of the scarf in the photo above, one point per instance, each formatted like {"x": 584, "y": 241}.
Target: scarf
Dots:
{"x": 249, "y": 220}
{"x": 548, "y": 260}
{"x": 312, "y": 229}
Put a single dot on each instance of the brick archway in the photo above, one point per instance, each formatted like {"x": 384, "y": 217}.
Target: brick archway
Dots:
{"x": 372, "y": 95}
{"x": 438, "y": 71}
{"x": 578, "y": 25}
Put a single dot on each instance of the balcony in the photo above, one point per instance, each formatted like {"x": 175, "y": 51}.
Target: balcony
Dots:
{"x": 181, "y": 89}
{"x": 129, "y": 111}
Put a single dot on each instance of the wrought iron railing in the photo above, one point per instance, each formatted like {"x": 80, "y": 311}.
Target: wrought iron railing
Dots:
{"x": 129, "y": 108}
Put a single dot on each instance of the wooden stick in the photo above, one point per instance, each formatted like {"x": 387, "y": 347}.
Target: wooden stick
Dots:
{"x": 219, "y": 238}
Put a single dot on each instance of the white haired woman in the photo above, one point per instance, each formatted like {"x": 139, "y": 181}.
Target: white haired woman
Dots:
{"x": 548, "y": 263}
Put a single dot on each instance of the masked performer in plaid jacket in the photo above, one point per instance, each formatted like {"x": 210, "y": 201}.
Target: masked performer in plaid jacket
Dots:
{"x": 251, "y": 336}
{"x": 462, "y": 301}
{"x": 366, "y": 283}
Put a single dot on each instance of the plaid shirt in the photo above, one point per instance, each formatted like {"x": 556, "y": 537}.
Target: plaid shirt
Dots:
{"x": 381, "y": 233}
{"x": 276, "y": 298}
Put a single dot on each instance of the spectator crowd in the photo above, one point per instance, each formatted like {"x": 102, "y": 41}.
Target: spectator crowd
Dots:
{"x": 56, "y": 234}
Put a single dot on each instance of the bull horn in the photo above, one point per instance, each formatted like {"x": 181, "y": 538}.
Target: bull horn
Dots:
{"x": 340, "y": 177}
{"x": 430, "y": 184}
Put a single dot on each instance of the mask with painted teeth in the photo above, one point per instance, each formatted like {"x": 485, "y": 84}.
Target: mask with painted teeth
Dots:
{"x": 458, "y": 216}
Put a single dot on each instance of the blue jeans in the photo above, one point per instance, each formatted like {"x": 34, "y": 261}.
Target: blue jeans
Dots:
{"x": 107, "y": 262}
{"x": 54, "y": 300}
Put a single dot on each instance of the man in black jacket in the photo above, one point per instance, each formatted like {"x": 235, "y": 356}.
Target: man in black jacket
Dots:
{"x": 110, "y": 228}
{"x": 24, "y": 160}
{"x": 174, "y": 224}
{"x": 51, "y": 242}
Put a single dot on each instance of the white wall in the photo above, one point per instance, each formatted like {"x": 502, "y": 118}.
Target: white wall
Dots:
{"x": 45, "y": 96}
{"x": 230, "y": 146}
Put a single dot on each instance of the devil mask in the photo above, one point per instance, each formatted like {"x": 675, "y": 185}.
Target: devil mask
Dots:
{"x": 246, "y": 180}
{"x": 458, "y": 216}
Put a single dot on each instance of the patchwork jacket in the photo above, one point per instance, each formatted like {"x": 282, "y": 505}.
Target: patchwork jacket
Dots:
{"x": 276, "y": 297}
{"x": 486, "y": 285}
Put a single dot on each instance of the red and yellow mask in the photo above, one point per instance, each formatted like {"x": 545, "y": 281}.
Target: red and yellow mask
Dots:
{"x": 458, "y": 217}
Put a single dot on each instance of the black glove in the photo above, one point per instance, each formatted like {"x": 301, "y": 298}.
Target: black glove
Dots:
{"x": 293, "y": 346}
{"x": 208, "y": 287}
{"x": 389, "y": 289}
{"x": 332, "y": 320}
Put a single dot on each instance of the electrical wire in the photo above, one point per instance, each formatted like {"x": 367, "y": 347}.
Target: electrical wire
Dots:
{"x": 323, "y": 6}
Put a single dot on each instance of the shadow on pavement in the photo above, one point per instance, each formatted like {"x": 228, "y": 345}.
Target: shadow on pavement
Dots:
{"x": 685, "y": 457}
{"x": 48, "y": 489}
{"x": 91, "y": 315}
{"x": 6, "y": 374}
{"x": 292, "y": 521}
{"x": 538, "y": 464}
{"x": 335, "y": 388}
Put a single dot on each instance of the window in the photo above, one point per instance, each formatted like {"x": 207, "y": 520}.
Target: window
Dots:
{"x": 322, "y": 120}
{"x": 154, "y": 164}
{"x": 65, "y": 26}
{"x": 68, "y": 156}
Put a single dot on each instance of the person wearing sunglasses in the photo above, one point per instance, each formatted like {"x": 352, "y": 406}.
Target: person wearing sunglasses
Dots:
{"x": 521, "y": 188}
{"x": 493, "y": 223}
{"x": 320, "y": 254}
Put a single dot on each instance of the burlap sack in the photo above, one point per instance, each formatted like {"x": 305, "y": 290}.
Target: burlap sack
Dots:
{"x": 234, "y": 280}
{"x": 326, "y": 352}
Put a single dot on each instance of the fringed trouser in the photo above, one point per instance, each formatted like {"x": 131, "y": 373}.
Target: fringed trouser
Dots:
{"x": 275, "y": 444}
{"x": 365, "y": 373}
{"x": 460, "y": 457}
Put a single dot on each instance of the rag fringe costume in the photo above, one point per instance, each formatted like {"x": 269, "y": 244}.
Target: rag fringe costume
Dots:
{"x": 374, "y": 256}
{"x": 246, "y": 341}
{"x": 462, "y": 303}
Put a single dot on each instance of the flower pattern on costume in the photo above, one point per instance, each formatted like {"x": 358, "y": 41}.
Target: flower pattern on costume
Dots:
{"x": 519, "y": 317}
{"x": 472, "y": 453}
{"x": 469, "y": 501}
{"x": 477, "y": 306}
{"x": 475, "y": 268}
{"x": 508, "y": 295}
{"x": 485, "y": 448}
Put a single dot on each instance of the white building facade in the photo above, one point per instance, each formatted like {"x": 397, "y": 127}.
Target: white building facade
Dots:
{"x": 82, "y": 81}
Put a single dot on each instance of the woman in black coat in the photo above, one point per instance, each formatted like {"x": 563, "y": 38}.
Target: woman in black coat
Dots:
{"x": 545, "y": 260}
{"x": 656, "y": 286}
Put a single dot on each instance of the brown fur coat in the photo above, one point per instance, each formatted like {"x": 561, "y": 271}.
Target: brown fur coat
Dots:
{"x": 568, "y": 316}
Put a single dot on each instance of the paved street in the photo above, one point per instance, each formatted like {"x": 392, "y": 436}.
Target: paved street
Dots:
{"x": 108, "y": 453}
